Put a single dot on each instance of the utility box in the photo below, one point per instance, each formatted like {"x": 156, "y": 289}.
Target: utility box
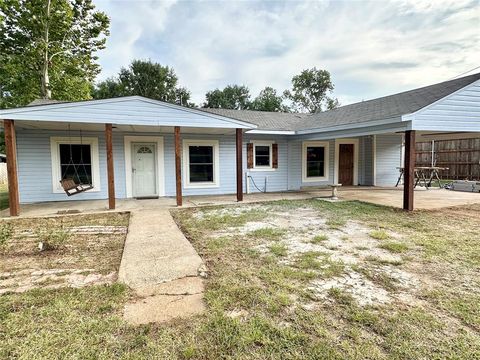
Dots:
{"x": 464, "y": 185}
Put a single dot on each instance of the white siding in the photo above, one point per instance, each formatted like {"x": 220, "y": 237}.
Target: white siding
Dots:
{"x": 459, "y": 111}
{"x": 388, "y": 157}
{"x": 123, "y": 111}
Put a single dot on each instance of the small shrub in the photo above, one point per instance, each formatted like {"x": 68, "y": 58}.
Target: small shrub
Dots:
{"x": 6, "y": 232}
{"x": 51, "y": 239}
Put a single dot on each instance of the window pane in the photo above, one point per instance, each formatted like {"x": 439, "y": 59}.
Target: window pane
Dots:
{"x": 315, "y": 161}
{"x": 79, "y": 168}
{"x": 201, "y": 163}
{"x": 84, "y": 174}
{"x": 77, "y": 152}
{"x": 201, "y": 154}
{"x": 262, "y": 155}
{"x": 201, "y": 173}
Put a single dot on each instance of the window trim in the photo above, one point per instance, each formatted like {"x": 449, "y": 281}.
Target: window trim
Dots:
{"x": 326, "y": 146}
{"x": 263, "y": 143}
{"x": 55, "y": 142}
{"x": 186, "y": 164}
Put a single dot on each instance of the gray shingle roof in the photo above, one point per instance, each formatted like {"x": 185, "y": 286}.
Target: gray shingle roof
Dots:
{"x": 265, "y": 120}
{"x": 386, "y": 107}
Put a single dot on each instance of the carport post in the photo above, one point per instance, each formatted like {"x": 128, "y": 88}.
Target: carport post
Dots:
{"x": 11, "y": 152}
{"x": 409, "y": 170}
{"x": 110, "y": 171}
{"x": 239, "y": 165}
{"x": 178, "y": 166}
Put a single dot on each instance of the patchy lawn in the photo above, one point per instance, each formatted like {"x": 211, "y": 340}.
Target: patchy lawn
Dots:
{"x": 60, "y": 251}
{"x": 287, "y": 279}
{"x": 3, "y": 196}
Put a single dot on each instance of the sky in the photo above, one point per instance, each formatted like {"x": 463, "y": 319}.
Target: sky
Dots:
{"x": 370, "y": 48}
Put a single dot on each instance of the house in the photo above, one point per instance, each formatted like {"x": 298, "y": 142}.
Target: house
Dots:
{"x": 137, "y": 147}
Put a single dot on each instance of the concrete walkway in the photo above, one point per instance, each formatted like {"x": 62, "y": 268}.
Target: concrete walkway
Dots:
{"x": 162, "y": 267}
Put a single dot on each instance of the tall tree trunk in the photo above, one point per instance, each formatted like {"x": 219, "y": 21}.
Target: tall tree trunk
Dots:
{"x": 46, "y": 92}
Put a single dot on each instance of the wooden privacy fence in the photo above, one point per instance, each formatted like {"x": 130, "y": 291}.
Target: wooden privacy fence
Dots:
{"x": 461, "y": 156}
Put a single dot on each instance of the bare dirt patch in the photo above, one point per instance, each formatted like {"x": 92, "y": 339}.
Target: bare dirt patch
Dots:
{"x": 344, "y": 254}
{"x": 62, "y": 251}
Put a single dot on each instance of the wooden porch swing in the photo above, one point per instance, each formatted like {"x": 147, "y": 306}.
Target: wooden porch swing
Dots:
{"x": 74, "y": 185}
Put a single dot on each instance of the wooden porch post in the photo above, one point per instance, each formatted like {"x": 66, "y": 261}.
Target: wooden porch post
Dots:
{"x": 239, "y": 165}
{"x": 11, "y": 152}
{"x": 110, "y": 171}
{"x": 178, "y": 166}
{"x": 409, "y": 170}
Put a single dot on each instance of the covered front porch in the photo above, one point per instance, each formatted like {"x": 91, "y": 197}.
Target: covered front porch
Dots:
{"x": 385, "y": 196}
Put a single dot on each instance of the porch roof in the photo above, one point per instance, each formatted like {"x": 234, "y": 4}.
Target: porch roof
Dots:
{"x": 126, "y": 111}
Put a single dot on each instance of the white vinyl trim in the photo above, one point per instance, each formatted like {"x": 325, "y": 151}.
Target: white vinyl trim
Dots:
{"x": 55, "y": 142}
{"x": 324, "y": 144}
{"x": 160, "y": 168}
{"x": 186, "y": 164}
{"x": 355, "y": 143}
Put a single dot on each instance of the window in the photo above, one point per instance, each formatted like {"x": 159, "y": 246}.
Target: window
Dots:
{"x": 76, "y": 162}
{"x": 201, "y": 165}
{"x": 315, "y": 161}
{"x": 262, "y": 155}
{"x": 75, "y": 158}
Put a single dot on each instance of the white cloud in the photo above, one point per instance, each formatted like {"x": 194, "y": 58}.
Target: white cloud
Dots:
{"x": 370, "y": 48}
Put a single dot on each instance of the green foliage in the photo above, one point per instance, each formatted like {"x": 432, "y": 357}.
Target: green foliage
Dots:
{"x": 52, "y": 238}
{"x": 317, "y": 239}
{"x": 47, "y": 49}
{"x": 310, "y": 91}
{"x": 6, "y": 232}
{"x": 144, "y": 78}
{"x": 394, "y": 246}
{"x": 379, "y": 234}
{"x": 231, "y": 97}
{"x": 268, "y": 100}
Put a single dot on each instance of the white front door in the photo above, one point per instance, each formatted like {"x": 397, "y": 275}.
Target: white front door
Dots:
{"x": 143, "y": 170}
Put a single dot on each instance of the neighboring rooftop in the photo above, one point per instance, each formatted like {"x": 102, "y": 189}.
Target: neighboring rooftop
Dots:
{"x": 387, "y": 107}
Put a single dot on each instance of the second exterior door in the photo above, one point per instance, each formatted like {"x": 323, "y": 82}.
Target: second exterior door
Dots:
{"x": 345, "y": 164}
{"x": 143, "y": 170}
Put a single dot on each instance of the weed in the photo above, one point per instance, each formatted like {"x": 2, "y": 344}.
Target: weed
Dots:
{"x": 51, "y": 238}
{"x": 268, "y": 233}
{"x": 335, "y": 223}
{"x": 278, "y": 249}
{"x": 379, "y": 234}
{"x": 6, "y": 232}
{"x": 317, "y": 239}
{"x": 394, "y": 246}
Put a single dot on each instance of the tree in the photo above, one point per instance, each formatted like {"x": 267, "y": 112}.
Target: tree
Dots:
{"x": 231, "y": 97}
{"x": 144, "y": 78}
{"x": 310, "y": 90}
{"x": 268, "y": 100}
{"x": 48, "y": 49}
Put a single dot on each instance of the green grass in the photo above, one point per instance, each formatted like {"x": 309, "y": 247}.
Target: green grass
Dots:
{"x": 86, "y": 323}
{"x": 318, "y": 239}
{"x": 379, "y": 234}
{"x": 394, "y": 246}
{"x": 278, "y": 249}
{"x": 3, "y": 196}
{"x": 268, "y": 233}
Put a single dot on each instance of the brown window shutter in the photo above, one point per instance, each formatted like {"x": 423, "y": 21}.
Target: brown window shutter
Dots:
{"x": 249, "y": 155}
{"x": 275, "y": 156}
